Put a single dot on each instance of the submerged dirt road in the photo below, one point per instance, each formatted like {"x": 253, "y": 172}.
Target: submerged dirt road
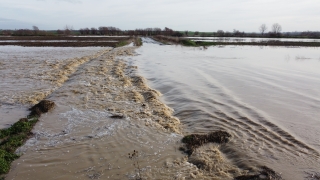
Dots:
{"x": 103, "y": 112}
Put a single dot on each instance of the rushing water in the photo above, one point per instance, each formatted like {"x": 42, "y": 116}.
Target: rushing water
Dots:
{"x": 268, "y": 98}
{"x": 80, "y": 138}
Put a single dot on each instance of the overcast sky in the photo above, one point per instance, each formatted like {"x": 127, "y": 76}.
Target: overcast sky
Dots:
{"x": 201, "y": 15}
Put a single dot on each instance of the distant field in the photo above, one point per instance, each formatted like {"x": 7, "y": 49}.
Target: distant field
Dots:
{"x": 64, "y": 41}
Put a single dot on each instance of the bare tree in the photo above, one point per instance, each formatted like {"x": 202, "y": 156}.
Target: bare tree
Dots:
{"x": 263, "y": 28}
{"x": 103, "y": 30}
{"x": 68, "y": 29}
{"x": 94, "y": 31}
{"x": 86, "y": 31}
{"x": 35, "y": 30}
{"x": 220, "y": 32}
{"x": 276, "y": 28}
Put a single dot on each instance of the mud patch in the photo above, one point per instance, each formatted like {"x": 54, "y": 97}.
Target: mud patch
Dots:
{"x": 264, "y": 174}
{"x": 42, "y": 107}
{"x": 194, "y": 141}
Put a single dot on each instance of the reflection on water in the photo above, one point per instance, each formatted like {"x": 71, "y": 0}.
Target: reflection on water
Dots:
{"x": 268, "y": 98}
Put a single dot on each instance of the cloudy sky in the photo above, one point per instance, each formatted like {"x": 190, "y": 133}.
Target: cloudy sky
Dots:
{"x": 201, "y": 15}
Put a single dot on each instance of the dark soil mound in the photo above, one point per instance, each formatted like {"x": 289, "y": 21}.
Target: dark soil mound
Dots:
{"x": 264, "y": 174}
{"x": 194, "y": 141}
{"x": 42, "y": 107}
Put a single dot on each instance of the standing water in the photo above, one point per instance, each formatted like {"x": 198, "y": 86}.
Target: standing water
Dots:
{"x": 268, "y": 98}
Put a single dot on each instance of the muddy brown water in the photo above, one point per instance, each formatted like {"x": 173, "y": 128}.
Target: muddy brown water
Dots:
{"x": 268, "y": 98}
{"x": 104, "y": 110}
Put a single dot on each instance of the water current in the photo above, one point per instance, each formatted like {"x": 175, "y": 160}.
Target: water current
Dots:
{"x": 268, "y": 98}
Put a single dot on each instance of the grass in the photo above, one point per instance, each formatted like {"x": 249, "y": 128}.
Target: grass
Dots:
{"x": 16, "y": 135}
{"x": 187, "y": 42}
{"x": 122, "y": 43}
{"x": 138, "y": 41}
{"x": 11, "y": 139}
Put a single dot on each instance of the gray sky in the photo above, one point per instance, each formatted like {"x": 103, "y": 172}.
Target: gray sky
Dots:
{"x": 201, "y": 15}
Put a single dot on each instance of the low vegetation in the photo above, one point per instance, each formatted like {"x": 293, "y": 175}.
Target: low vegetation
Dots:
{"x": 137, "y": 41}
{"x": 134, "y": 157}
{"x": 16, "y": 135}
{"x": 187, "y": 42}
{"x": 122, "y": 43}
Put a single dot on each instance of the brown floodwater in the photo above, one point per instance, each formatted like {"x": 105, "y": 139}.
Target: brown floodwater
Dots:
{"x": 103, "y": 112}
{"x": 268, "y": 98}
{"x": 25, "y": 74}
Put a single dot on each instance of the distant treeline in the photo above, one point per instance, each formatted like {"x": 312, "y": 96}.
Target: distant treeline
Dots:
{"x": 103, "y": 30}
{"x": 113, "y": 31}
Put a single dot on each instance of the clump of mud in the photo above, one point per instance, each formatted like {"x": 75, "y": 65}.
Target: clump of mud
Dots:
{"x": 194, "y": 141}
{"x": 42, "y": 107}
{"x": 265, "y": 173}
{"x": 212, "y": 162}
{"x": 204, "y": 152}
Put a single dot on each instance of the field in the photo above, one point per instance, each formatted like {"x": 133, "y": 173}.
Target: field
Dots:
{"x": 65, "y": 41}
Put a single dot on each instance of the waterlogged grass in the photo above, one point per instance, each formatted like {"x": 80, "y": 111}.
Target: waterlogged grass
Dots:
{"x": 11, "y": 139}
{"x": 16, "y": 135}
{"x": 122, "y": 43}
{"x": 138, "y": 41}
{"x": 187, "y": 42}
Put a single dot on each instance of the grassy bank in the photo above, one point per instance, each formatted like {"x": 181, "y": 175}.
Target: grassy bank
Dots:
{"x": 11, "y": 139}
{"x": 15, "y": 136}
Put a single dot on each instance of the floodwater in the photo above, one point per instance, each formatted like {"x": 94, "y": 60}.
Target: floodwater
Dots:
{"x": 268, "y": 98}
{"x": 100, "y": 116}
{"x": 239, "y": 39}
{"x": 24, "y": 76}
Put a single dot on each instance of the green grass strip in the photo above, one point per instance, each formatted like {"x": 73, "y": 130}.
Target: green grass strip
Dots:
{"x": 122, "y": 43}
{"x": 11, "y": 139}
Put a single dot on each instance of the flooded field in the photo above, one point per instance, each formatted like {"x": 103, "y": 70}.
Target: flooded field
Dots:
{"x": 245, "y": 39}
{"x": 63, "y": 41}
{"x": 266, "y": 98}
{"x": 103, "y": 112}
